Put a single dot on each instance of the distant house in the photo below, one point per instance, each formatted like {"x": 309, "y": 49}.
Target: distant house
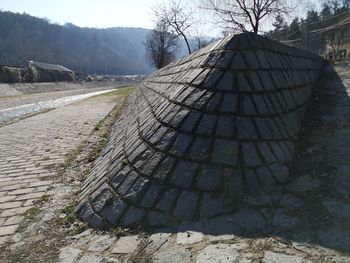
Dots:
{"x": 337, "y": 39}
{"x": 35, "y": 72}
{"x": 44, "y": 72}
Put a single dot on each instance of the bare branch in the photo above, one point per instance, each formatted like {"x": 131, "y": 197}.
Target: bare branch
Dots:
{"x": 176, "y": 16}
{"x": 245, "y": 15}
{"x": 160, "y": 45}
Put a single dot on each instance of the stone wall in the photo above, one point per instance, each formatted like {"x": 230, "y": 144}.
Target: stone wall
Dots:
{"x": 24, "y": 75}
{"x": 15, "y": 74}
{"x": 204, "y": 135}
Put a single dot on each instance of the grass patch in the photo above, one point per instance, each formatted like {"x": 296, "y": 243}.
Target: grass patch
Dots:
{"x": 121, "y": 91}
{"x": 98, "y": 125}
{"x": 70, "y": 158}
{"x": 124, "y": 162}
{"x": 80, "y": 228}
{"x": 44, "y": 199}
{"x": 30, "y": 214}
{"x": 68, "y": 216}
{"x": 104, "y": 126}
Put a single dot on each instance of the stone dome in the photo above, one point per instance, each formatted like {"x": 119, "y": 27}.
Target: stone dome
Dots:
{"x": 203, "y": 135}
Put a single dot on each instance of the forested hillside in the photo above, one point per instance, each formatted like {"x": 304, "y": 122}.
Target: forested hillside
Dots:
{"x": 87, "y": 50}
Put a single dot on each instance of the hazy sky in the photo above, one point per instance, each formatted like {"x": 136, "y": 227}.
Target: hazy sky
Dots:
{"x": 94, "y": 13}
{"x": 87, "y": 13}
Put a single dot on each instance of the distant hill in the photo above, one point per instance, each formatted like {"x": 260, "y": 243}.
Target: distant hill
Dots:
{"x": 88, "y": 50}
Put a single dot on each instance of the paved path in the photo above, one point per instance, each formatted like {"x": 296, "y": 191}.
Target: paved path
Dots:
{"x": 11, "y": 114}
{"x": 310, "y": 223}
{"x": 30, "y": 151}
{"x": 19, "y": 100}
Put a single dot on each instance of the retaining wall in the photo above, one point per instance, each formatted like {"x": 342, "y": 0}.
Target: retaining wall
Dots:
{"x": 203, "y": 135}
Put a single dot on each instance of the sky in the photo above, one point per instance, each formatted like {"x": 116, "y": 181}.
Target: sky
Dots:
{"x": 95, "y": 13}
{"x": 87, "y": 13}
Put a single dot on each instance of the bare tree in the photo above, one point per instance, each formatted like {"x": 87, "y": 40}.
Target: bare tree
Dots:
{"x": 178, "y": 17}
{"x": 160, "y": 45}
{"x": 337, "y": 6}
{"x": 245, "y": 15}
{"x": 346, "y": 4}
{"x": 334, "y": 5}
{"x": 336, "y": 45}
{"x": 200, "y": 40}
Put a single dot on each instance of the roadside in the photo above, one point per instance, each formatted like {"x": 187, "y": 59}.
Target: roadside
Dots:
{"x": 59, "y": 137}
{"x": 19, "y": 100}
{"x": 16, "y": 89}
{"x": 20, "y": 112}
{"x": 22, "y": 100}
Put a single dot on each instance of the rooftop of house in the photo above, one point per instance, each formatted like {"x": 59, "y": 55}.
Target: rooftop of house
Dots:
{"x": 343, "y": 23}
{"x": 40, "y": 65}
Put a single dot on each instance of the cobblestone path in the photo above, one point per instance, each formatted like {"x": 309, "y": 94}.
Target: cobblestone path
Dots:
{"x": 30, "y": 151}
{"x": 14, "y": 101}
{"x": 310, "y": 223}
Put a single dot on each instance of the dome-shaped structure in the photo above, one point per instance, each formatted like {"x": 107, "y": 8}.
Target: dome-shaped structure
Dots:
{"x": 203, "y": 134}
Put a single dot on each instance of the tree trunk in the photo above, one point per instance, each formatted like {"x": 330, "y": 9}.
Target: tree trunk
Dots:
{"x": 256, "y": 27}
{"x": 188, "y": 45}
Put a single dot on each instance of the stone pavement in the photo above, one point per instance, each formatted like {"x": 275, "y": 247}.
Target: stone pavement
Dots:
{"x": 309, "y": 224}
{"x": 15, "y": 101}
{"x": 31, "y": 150}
